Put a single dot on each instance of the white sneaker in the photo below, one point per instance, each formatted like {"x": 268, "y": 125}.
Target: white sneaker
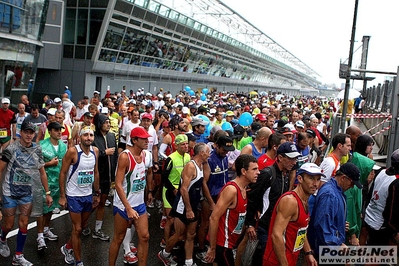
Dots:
{"x": 68, "y": 253}
{"x": 4, "y": 249}
{"x": 41, "y": 244}
{"x": 107, "y": 203}
{"x": 20, "y": 260}
{"x": 56, "y": 211}
{"x": 50, "y": 235}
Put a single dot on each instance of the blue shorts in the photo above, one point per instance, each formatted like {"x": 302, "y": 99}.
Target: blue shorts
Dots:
{"x": 141, "y": 209}
{"x": 80, "y": 204}
{"x": 13, "y": 202}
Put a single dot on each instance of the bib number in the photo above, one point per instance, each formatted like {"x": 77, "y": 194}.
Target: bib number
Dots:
{"x": 85, "y": 178}
{"x": 21, "y": 178}
{"x": 138, "y": 185}
{"x": 300, "y": 239}
{"x": 3, "y": 132}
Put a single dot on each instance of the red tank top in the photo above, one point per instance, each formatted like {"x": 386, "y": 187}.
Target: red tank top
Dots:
{"x": 295, "y": 235}
{"x": 172, "y": 147}
{"x": 232, "y": 221}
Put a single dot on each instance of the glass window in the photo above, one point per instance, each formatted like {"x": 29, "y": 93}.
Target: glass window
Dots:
{"x": 190, "y": 22}
{"x": 99, "y": 3}
{"x": 182, "y": 19}
{"x": 80, "y": 52}
{"x": 83, "y": 3}
{"x": 173, "y": 15}
{"x": 124, "y": 7}
{"x": 90, "y": 50}
{"x": 154, "y": 6}
{"x": 164, "y": 11}
{"x": 72, "y": 3}
{"x": 81, "y": 30}
{"x": 68, "y": 51}
{"x": 69, "y": 31}
{"x": 142, "y": 3}
{"x": 119, "y": 17}
{"x": 96, "y": 19}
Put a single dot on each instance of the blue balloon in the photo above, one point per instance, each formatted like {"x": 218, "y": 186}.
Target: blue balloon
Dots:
{"x": 192, "y": 93}
{"x": 205, "y": 91}
{"x": 226, "y": 126}
{"x": 203, "y": 97}
{"x": 187, "y": 89}
{"x": 245, "y": 119}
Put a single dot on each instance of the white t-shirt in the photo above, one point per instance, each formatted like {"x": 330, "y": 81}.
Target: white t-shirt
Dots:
{"x": 328, "y": 166}
{"x": 153, "y": 140}
{"x": 127, "y": 127}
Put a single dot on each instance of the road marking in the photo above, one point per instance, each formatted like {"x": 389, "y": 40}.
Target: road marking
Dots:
{"x": 34, "y": 224}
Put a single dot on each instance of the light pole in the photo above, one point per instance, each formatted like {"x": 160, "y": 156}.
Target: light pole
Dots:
{"x": 348, "y": 74}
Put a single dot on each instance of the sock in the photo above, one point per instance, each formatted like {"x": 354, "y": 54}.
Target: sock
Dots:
{"x": 46, "y": 229}
{"x": 21, "y": 238}
{"x": 126, "y": 240}
{"x": 4, "y": 234}
{"x": 189, "y": 262}
{"x": 165, "y": 254}
{"x": 39, "y": 235}
{"x": 99, "y": 224}
{"x": 68, "y": 246}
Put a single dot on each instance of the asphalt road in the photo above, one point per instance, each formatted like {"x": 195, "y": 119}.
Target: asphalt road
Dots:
{"x": 94, "y": 251}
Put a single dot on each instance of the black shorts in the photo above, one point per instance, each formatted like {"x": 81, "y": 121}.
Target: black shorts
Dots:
{"x": 224, "y": 256}
{"x": 182, "y": 217}
{"x": 105, "y": 187}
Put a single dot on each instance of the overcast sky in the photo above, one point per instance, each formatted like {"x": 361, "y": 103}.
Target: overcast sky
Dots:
{"x": 318, "y": 32}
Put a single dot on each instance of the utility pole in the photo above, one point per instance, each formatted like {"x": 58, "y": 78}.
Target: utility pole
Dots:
{"x": 348, "y": 75}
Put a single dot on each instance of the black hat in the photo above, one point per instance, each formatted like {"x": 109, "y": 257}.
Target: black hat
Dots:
{"x": 256, "y": 126}
{"x": 54, "y": 125}
{"x": 238, "y": 132}
{"x": 226, "y": 143}
{"x": 28, "y": 126}
{"x": 311, "y": 132}
{"x": 352, "y": 172}
{"x": 191, "y": 137}
{"x": 88, "y": 114}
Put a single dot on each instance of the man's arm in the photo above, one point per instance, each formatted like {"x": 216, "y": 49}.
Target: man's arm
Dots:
{"x": 150, "y": 184}
{"x": 66, "y": 162}
{"x": 205, "y": 188}
{"x": 165, "y": 174}
{"x": 286, "y": 210}
{"x": 96, "y": 173}
{"x": 43, "y": 178}
{"x": 247, "y": 149}
{"x": 155, "y": 156}
{"x": 227, "y": 199}
{"x": 187, "y": 175}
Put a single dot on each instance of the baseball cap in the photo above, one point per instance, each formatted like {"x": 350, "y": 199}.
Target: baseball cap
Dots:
{"x": 28, "y": 126}
{"x": 57, "y": 100}
{"x": 229, "y": 113}
{"x": 88, "y": 114}
{"x": 104, "y": 110}
{"x": 165, "y": 124}
{"x": 198, "y": 121}
{"x": 49, "y": 102}
{"x": 311, "y": 132}
{"x": 5, "y": 100}
{"x": 310, "y": 169}
{"x": 185, "y": 110}
{"x": 146, "y": 116}
{"x": 51, "y": 111}
{"x": 286, "y": 131}
{"x": 260, "y": 117}
{"x": 191, "y": 137}
{"x": 300, "y": 124}
{"x": 351, "y": 171}
{"x": 139, "y": 132}
{"x": 238, "y": 132}
{"x": 133, "y": 101}
{"x": 148, "y": 94}
{"x": 54, "y": 125}
{"x": 96, "y": 92}
{"x": 289, "y": 149}
{"x": 226, "y": 143}
{"x": 255, "y": 126}
{"x": 214, "y": 129}
{"x": 181, "y": 138}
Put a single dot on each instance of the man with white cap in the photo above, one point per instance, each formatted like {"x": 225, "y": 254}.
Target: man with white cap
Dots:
{"x": 7, "y": 124}
{"x": 199, "y": 125}
{"x": 290, "y": 220}
{"x": 19, "y": 118}
{"x": 78, "y": 176}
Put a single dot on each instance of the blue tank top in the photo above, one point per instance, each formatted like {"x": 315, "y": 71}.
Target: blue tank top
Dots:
{"x": 255, "y": 152}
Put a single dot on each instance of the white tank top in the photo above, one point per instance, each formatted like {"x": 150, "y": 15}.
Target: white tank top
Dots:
{"x": 134, "y": 183}
{"x": 81, "y": 174}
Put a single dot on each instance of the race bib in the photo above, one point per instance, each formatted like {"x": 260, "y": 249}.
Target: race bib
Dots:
{"x": 240, "y": 223}
{"x": 85, "y": 178}
{"x": 3, "y": 132}
{"x": 21, "y": 178}
{"x": 138, "y": 185}
{"x": 300, "y": 239}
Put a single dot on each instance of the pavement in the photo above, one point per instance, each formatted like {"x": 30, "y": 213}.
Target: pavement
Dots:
{"x": 94, "y": 251}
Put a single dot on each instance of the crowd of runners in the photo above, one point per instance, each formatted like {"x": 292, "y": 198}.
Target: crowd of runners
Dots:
{"x": 240, "y": 179}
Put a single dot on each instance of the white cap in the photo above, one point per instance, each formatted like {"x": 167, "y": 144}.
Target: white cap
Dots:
{"x": 160, "y": 96}
{"x": 212, "y": 111}
{"x": 185, "y": 110}
{"x": 169, "y": 95}
{"x": 104, "y": 110}
{"x": 57, "y": 100}
{"x": 133, "y": 101}
{"x": 144, "y": 102}
{"x": 51, "y": 111}
{"x": 5, "y": 100}
{"x": 148, "y": 94}
{"x": 96, "y": 92}
{"x": 175, "y": 105}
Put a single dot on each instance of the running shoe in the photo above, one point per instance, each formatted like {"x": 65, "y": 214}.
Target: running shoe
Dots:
{"x": 4, "y": 249}
{"x": 162, "y": 244}
{"x": 100, "y": 234}
{"x": 162, "y": 224}
{"x": 68, "y": 253}
{"x": 41, "y": 244}
{"x": 107, "y": 203}
{"x": 56, "y": 211}
{"x": 20, "y": 260}
{"x": 80, "y": 264}
{"x": 158, "y": 204}
{"x": 130, "y": 258}
{"x": 50, "y": 235}
{"x": 167, "y": 261}
{"x": 194, "y": 264}
{"x": 151, "y": 205}
{"x": 133, "y": 249}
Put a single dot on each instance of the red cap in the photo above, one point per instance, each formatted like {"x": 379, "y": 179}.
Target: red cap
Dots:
{"x": 260, "y": 117}
{"x": 146, "y": 116}
{"x": 139, "y": 132}
{"x": 246, "y": 108}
